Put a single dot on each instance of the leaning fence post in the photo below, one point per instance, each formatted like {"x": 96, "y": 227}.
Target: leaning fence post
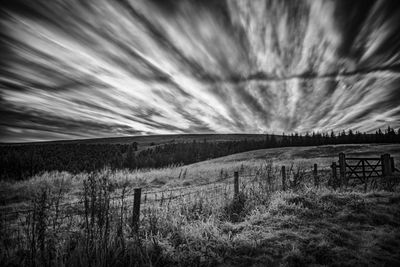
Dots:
{"x": 334, "y": 175}
{"x": 236, "y": 183}
{"x": 316, "y": 182}
{"x": 136, "y": 209}
{"x": 342, "y": 166}
{"x": 283, "y": 178}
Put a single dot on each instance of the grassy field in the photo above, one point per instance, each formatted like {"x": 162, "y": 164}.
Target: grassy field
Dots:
{"x": 18, "y": 194}
{"x": 303, "y": 226}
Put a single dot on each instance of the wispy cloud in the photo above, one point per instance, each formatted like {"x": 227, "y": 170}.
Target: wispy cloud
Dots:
{"x": 73, "y": 69}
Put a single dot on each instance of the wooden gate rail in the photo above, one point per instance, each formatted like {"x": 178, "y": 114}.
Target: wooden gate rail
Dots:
{"x": 362, "y": 168}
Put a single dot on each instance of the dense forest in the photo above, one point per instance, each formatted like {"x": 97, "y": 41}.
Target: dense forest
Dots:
{"x": 22, "y": 161}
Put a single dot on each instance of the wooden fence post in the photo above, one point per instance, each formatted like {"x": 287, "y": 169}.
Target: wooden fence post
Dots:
{"x": 334, "y": 175}
{"x": 389, "y": 164}
{"x": 236, "y": 183}
{"x": 386, "y": 165}
{"x": 283, "y": 178}
{"x": 342, "y": 166}
{"x": 162, "y": 198}
{"x": 136, "y": 209}
{"x": 316, "y": 180}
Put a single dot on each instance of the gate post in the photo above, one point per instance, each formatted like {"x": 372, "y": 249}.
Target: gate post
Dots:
{"x": 342, "y": 166}
{"x": 386, "y": 165}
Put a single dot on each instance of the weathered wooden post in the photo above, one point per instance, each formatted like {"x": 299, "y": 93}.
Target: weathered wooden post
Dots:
{"x": 236, "y": 184}
{"x": 283, "y": 178}
{"x": 334, "y": 175}
{"x": 342, "y": 167}
{"x": 162, "y": 198}
{"x": 386, "y": 165}
{"x": 390, "y": 164}
{"x": 315, "y": 172}
{"x": 136, "y": 209}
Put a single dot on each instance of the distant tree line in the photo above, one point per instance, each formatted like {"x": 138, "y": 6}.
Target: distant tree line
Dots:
{"x": 21, "y": 161}
{"x": 314, "y": 139}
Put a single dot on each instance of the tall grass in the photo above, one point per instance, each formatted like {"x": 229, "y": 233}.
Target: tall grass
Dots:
{"x": 262, "y": 225}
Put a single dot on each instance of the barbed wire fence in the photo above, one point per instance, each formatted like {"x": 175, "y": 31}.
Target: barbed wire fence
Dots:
{"x": 133, "y": 205}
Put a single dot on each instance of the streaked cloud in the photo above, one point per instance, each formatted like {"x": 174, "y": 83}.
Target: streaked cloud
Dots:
{"x": 77, "y": 69}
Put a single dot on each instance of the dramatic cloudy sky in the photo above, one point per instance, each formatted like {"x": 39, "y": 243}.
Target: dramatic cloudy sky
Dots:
{"x": 78, "y": 69}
